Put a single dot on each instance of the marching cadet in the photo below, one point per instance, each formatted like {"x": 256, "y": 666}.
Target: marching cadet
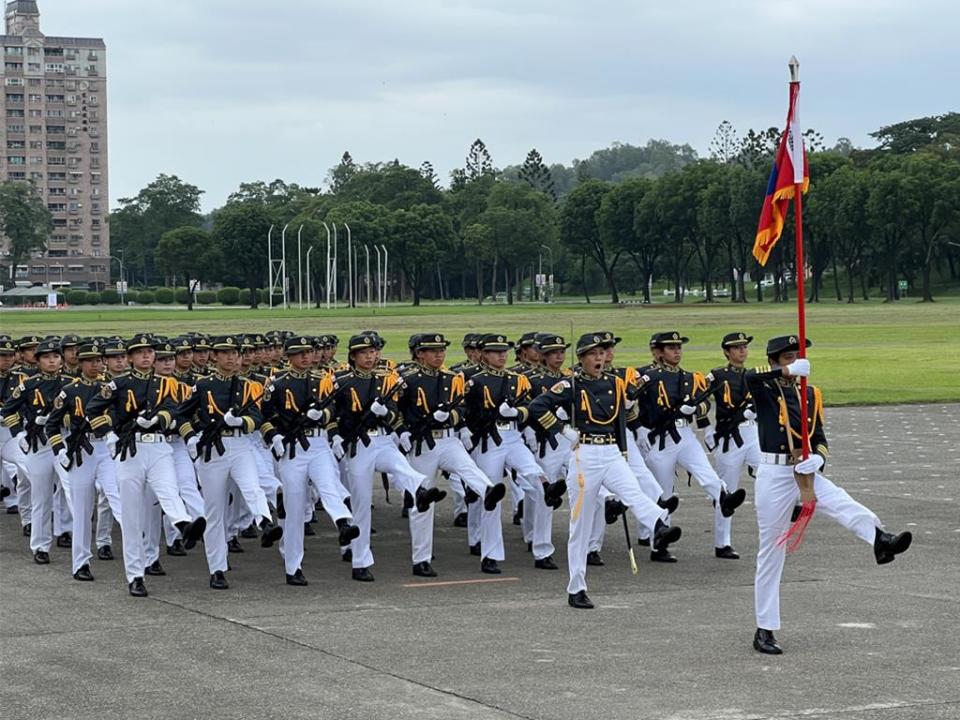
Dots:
{"x": 294, "y": 416}
{"x": 783, "y": 472}
{"x": 551, "y": 450}
{"x": 183, "y": 369}
{"x": 25, "y": 365}
{"x": 222, "y": 408}
{"x": 527, "y": 356}
{"x": 25, "y": 413}
{"x": 108, "y": 508}
{"x": 496, "y": 408}
{"x": 84, "y": 463}
{"x": 131, "y": 411}
{"x": 596, "y": 403}
{"x": 68, "y": 347}
{"x": 472, "y": 353}
{"x": 365, "y": 414}
{"x": 201, "y": 354}
{"x": 12, "y": 468}
{"x": 431, "y": 405}
{"x": 671, "y": 400}
{"x": 732, "y": 439}
{"x": 27, "y": 347}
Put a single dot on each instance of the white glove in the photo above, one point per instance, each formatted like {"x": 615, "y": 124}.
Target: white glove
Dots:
{"x": 506, "y": 411}
{"x": 22, "y": 441}
{"x": 231, "y": 420}
{"x": 799, "y": 368}
{"x": 147, "y": 423}
{"x": 572, "y": 435}
{"x": 63, "y": 458}
{"x": 809, "y": 466}
{"x": 688, "y": 409}
{"x": 192, "y": 447}
{"x": 336, "y": 444}
{"x": 112, "y": 441}
{"x": 404, "y": 442}
{"x": 314, "y": 414}
{"x": 466, "y": 437}
{"x": 561, "y": 414}
{"x": 441, "y": 415}
{"x": 709, "y": 438}
{"x": 643, "y": 441}
{"x": 749, "y": 414}
{"x": 630, "y": 404}
{"x": 40, "y": 419}
{"x": 530, "y": 437}
{"x": 277, "y": 446}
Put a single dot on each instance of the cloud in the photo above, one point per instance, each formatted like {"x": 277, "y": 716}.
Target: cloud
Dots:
{"x": 225, "y": 91}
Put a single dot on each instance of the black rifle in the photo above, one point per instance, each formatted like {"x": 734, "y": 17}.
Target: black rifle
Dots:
{"x": 77, "y": 442}
{"x": 210, "y": 437}
{"x": 127, "y": 442}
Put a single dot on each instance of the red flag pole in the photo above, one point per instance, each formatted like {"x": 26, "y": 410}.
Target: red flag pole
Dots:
{"x": 800, "y": 266}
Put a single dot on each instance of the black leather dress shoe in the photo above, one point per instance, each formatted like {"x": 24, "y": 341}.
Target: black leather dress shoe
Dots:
{"x": 297, "y": 579}
{"x": 269, "y": 533}
{"x": 546, "y": 563}
{"x": 493, "y": 496}
{"x": 347, "y": 555}
{"x": 460, "y": 520}
{"x": 643, "y": 542}
{"x": 191, "y": 532}
{"x": 4, "y": 492}
{"x": 64, "y": 540}
{"x": 362, "y": 575}
{"x": 518, "y": 514}
{"x": 13, "y": 510}
{"x": 348, "y": 532}
{"x": 665, "y": 535}
{"x": 595, "y": 559}
{"x": 234, "y": 546}
{"x": 41, "y": 557}
{"x": 26, "y": 529}
{"x": 726, "y": 553}
{"x": 155, "y": 568}
{"x": 470, "y": 497}
{"x": 669, "y": 504}
{"x": 249, "y": 532}
{"x": 137, "y": 588}
{"x": 612, "y": 510}
{"x": 664, "y": 556}
{"x": 105, "y": 553}
{"x": 176, "y": 550}
{"x": 424, "y": 569}
{"x": 886, "y": 545}
{"x": 490, "y": 566}
{"x": 218, "y": 581}
{"x": 475, "y": 549}
{"x": 83, "y": 574}
{"x": 764, "y": 642}
{"x": 579, "y": 600}
{"x": 308, "y": 530}
{"x": 729, "y": 502}
{"x": 553, "y": 493}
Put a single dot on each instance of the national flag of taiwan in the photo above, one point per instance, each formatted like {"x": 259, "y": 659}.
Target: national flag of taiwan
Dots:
{"x": 789, "y": 169}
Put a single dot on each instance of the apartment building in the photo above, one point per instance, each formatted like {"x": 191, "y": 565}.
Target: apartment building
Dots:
{"x": 53, "y": 107}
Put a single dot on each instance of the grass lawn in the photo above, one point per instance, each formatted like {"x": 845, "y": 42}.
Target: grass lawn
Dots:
{"x": 864, "y": 353}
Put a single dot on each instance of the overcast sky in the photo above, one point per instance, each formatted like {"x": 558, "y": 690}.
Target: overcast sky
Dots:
{"x": 225, "y": 91}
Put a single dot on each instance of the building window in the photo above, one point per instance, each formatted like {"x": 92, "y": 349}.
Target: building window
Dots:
{"x": 13, "y": 50}
{"x": 33, "y": 67}
{"x": 36, "y": 129}
{"x": 16, "y": 160}
{"x": 13, "y": 66}
{"x": 14, "y": 82}
{"x": 54, "y": 67}
{"x": 15, "y": 144}
{"x": 11, "y": 113}
{"x": 15, "y": 128}
{"x": 36, "y": 145}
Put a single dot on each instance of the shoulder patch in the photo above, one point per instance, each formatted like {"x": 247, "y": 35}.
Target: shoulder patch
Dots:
{"x": 559, "y": 387}
{"x": 17, "y": 391}
{"x": 106, "y": 391}
{"x": 58, "y": 402}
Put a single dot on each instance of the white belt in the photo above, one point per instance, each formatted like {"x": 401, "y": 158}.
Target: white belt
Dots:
{"x": 748, "y": 423}
{"x": 373, "y": 432}
{"x": 681, "y": 422}
{"x": 506, "y": 424}
{"x": 151, "y": 438}
{"x": 445, "y": 433}
{"x": 776, "y": 458}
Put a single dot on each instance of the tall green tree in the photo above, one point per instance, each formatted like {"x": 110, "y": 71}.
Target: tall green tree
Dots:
{"x": 240, "y": 235}
{"x": 537, "y": 175}
{"x": 580, "y": 231}
{"x": 190, "y": 255}
{"x": 616, "y": 218}
{"x": 24, "y": 220}
{"x": 342, "y": 173}
{"x": 478, "y": 161}
{"x": 416, "y": 238}
{"x": 392, "y": 185}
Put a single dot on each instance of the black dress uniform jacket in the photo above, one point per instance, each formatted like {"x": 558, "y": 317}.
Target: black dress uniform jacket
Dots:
{"x": 663, "y": 391}
{"x": 777, "y": 401}
{"x": 33, "y": 396}
{"x": 732, "y": 398}
{"x": 286, "y": 400}
{"x": 126, "y": 396}
{"x": 354, "y": 393}
{"x": 428, "y": 390}
{"x": 70, "y": 415}
{"x": 487, "y": 390}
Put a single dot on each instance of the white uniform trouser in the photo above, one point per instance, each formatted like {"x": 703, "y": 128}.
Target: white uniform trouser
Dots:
{"x": 450, "y": 456}
{"x": 511, "y": 453}
{"x": 457, "y": 494}
{"x": 186, "y": 486}
{"x": 151, "y": 467}
{"x": 269, "y": 480}
{"x": 689, "y": 455}
{"x": 43, "y": 478}
{"x": 106, "y": 511}
{"x": 380, "y": 456}
{"x": 152, "y": 518}
{"x": 554, "y": 465}
{"x": 317, "y": 466}
{"x": 648, "y": 486}
{"x": 776, "y": 495}
{"x": 83, "y": 480}
{"x": 600, "y": 467}
{"x": 62, "y": 517}
{"x": 236, "y": 464}
{"x": 14, "y": 464}
{"x": 730, "y": 467}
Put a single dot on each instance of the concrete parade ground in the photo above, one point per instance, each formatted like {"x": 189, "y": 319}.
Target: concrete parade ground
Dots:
{"x": 862, "y": 642}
